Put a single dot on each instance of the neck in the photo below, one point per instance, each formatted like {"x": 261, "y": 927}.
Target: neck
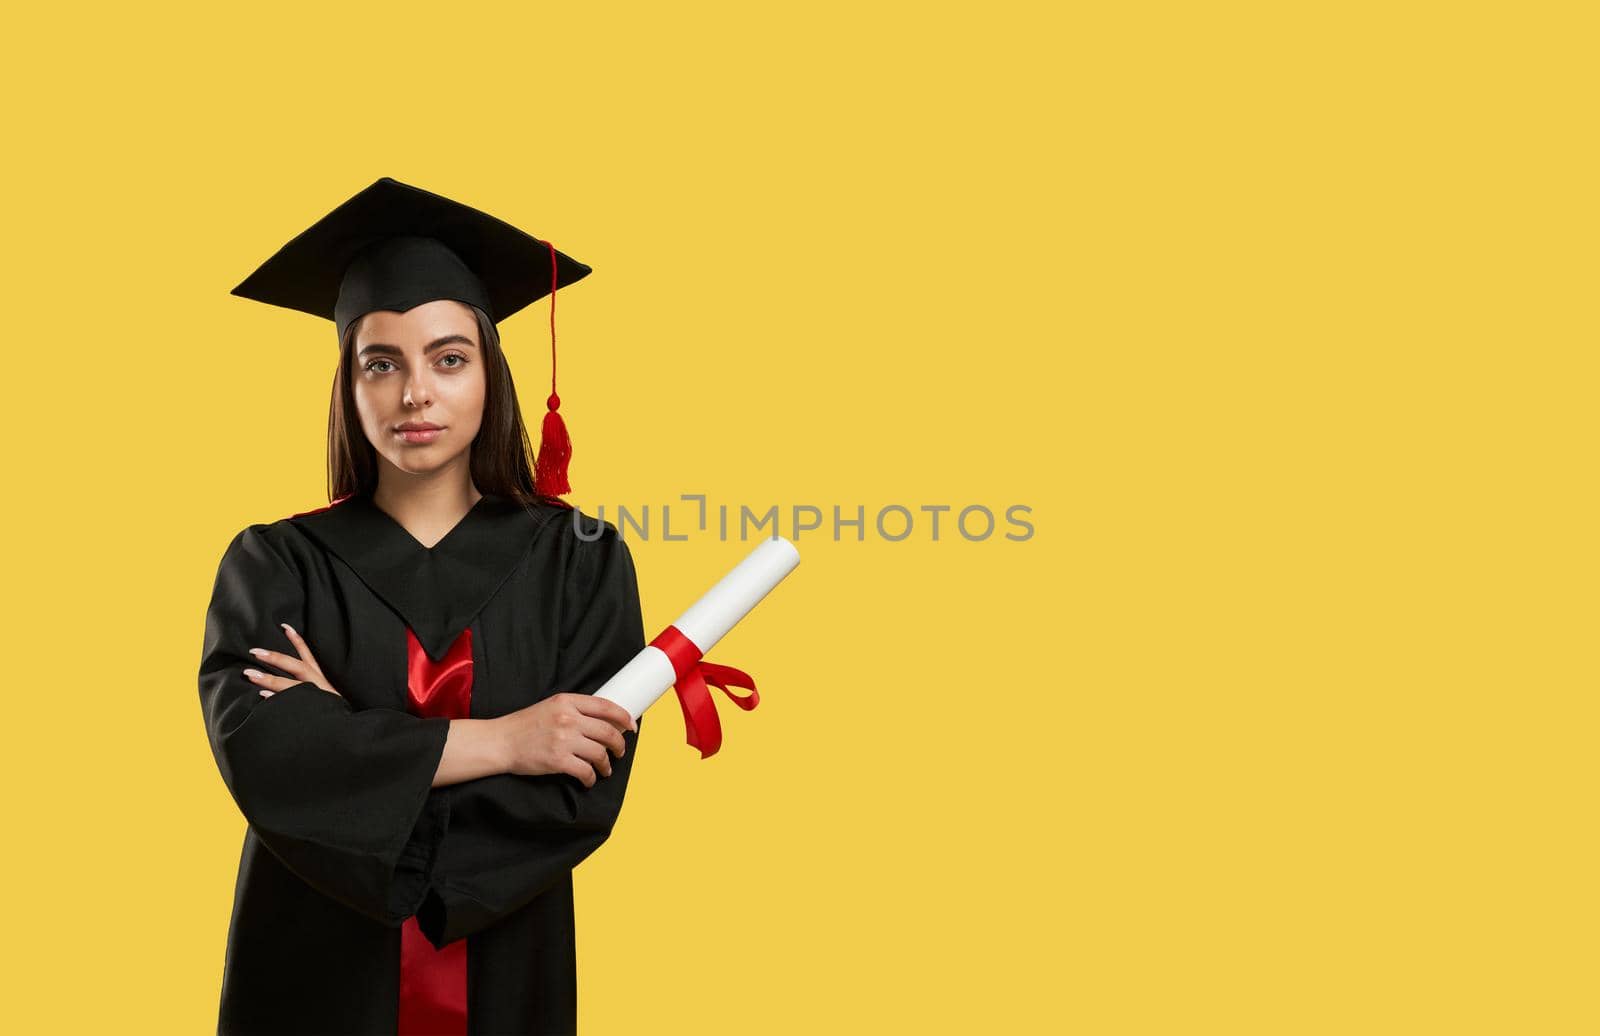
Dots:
{"x": 427, "y": 505}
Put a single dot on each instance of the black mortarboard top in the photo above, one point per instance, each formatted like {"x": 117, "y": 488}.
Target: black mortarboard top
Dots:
{"x": 394, "y": 246}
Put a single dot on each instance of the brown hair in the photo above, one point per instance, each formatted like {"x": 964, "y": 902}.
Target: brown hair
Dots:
{"x": 502, "y": 454}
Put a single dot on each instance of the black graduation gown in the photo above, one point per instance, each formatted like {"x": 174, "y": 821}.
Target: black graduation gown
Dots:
{"x": 346, "y": 836}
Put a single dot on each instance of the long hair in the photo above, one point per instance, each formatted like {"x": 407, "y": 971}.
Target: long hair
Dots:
{"x": 502, "y": 457}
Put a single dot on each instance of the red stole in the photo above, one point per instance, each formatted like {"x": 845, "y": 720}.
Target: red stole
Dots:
{"x": 433, "y": 983}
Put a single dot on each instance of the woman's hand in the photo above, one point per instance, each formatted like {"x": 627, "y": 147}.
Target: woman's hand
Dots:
{"x": 566, "y": 733}
{"x": 302, "y": 669}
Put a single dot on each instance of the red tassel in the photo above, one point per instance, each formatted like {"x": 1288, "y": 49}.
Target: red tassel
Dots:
{"x": 555, "y": 446}
{"x": 555, "y": 450}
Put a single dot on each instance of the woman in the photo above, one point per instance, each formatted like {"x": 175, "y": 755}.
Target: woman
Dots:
{"x": 398, "y": 686}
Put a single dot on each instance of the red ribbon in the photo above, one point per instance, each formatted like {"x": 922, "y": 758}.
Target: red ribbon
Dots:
{"x": 692, "y": 675}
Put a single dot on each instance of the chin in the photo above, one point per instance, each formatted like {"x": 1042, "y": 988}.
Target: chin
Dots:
{"x": 420, "y": 460}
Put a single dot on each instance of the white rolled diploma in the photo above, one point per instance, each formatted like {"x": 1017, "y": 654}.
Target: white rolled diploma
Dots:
{"x": 648, "y": 675}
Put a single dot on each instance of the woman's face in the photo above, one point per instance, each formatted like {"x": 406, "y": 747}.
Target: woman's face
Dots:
{"x": 421, "y": 367}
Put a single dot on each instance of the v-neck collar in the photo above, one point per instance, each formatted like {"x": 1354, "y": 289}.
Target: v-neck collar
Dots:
{"x": 437, "y": 590}
{"x": 457, "y": 527}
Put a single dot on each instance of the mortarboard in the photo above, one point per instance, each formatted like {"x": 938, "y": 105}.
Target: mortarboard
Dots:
{"x": 394, "y": 246}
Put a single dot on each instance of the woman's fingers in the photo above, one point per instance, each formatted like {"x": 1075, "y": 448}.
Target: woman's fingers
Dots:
{"x": 288, "y": 663}
{"x": 605, "y": 733}
{"x": 589, "y": 757}
{"x": 601, "y": 708}
{"x": 300, "y": 645}
{"x": 304, "y": 668}
{"x": 593, "y": 753}
{"x": 268, "y": 683}
{"x": 579, "y": 769}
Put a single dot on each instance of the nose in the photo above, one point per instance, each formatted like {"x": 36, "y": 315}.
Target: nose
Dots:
{"x": 418, "y": 391}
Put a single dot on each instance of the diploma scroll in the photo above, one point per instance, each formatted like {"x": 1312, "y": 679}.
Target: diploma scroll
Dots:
{"x": 675, "y": 657}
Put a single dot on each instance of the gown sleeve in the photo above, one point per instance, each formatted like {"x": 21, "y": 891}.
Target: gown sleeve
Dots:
{"x": 341, "y": 796}
{"x": 511, "y": 837}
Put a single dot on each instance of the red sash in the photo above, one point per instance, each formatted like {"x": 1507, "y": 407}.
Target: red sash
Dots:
{"x": 433, "y": 983}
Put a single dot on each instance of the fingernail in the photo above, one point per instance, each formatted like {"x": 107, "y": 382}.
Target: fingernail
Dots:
{"x": 252, "y": 673}
{"x": 266, "y": 694}
{"x": 286, "y": 626}
{"x": 257, "y": 652}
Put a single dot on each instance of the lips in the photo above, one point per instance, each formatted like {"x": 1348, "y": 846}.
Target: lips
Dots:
{"x": 419, "y": 432}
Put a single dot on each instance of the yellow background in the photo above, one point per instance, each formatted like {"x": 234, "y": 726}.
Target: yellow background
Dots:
{"x": 1280, "y": 317}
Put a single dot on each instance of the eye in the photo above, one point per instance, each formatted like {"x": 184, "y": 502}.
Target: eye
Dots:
{"x": 373, "y": 363}
{"x": 455, "y": 356}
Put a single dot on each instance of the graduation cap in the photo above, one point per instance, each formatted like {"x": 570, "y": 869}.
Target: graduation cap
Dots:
{"x": 394, "y": 246}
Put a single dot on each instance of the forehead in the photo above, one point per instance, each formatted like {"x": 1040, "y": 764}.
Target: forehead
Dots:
{"x": 418, "y": 325}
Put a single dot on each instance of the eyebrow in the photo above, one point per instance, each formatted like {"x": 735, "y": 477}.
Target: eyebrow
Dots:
{"x": 380, "y": 347}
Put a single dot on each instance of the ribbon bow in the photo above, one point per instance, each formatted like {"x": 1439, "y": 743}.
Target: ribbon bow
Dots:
{"x": 692, "y": 675}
